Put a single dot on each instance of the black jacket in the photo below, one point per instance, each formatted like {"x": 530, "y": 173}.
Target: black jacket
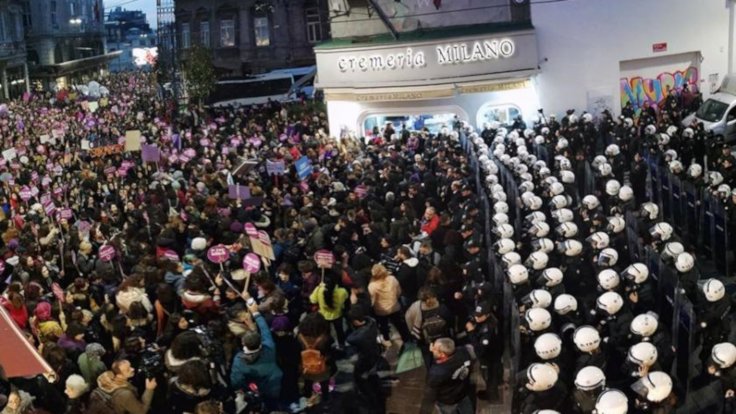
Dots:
{"x": 449, "y": 381}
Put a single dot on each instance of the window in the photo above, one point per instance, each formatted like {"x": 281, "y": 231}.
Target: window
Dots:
{"x": 227, "y": 33}
{"x": 54, "y": 22}
{"x": 504, "y": 113}
{"x": 185, "y": 36}
{"x": 204, "y": 33}
{"x": 314, "y": 25}
{"x": 262, "y": 31}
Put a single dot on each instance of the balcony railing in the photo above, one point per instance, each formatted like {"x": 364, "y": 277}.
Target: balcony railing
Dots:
{"x": 8, "y": 49}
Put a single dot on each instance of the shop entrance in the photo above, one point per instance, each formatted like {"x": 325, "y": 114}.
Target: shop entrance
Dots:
{"x": 376, "y": 124}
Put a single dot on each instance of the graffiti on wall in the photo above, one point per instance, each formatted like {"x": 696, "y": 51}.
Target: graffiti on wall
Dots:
{"x": 638, "y": 90}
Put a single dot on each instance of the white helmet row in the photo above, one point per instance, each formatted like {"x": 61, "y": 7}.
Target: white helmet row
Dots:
{"x": 586, "y": 338}
{"x": 650, "y": 210}
{"x": 636, "y": 272}
{"x": 538, "y": 319}
{"x": 598, "y": 240}
{"x": 656, "y": 386}
{"x": 684, "y": 262}
{"x": 543, "y": 245}
{"x": 565, "y": 303}
{"x": 612, "y": 401}
{"x": 643, "y": 354}
{"x": 541, "y": 377}
{"x": 504, "y": 246}
{"x": 563, "y": 215}
{"x": 518, "y": 274}
{"x": 590, "y": 378}
{"x": 591, "y": 202}
{"x": 610, "y": 302}
{"x": 714, "y": 290}
{"x": 608, "y": 279}
{"x": 553, "y": 276}
{"x": 548, "y": 346}
{"x": 644, "y": 325}
{"x": 537, "y": 260}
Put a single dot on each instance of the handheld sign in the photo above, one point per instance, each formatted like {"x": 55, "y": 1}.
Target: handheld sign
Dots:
{"x": 171, "y": 255}
{"x": 58, "y": 291}
{"x": 25, "y": 194}
{"x": 251, "y": 263}
{"x": 106, "y": 253}
{"x": 250, "y": 230}
{"x": 266, "y": 247}
{"x": 324, "y": 259}
{"x": 303, "y": 168}
{"x": 218, "y": 254}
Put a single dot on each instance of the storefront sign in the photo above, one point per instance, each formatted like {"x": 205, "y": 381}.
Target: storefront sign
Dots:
{"x": 427, "y": 62}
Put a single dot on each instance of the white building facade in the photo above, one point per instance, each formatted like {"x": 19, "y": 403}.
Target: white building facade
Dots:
{"x": 491, "y": 60}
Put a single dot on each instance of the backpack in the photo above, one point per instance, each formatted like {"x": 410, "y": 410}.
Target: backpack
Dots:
{"x": 100, "y": 402}
{"x": 314, "y": 364}
{"x": 433, "y": 325}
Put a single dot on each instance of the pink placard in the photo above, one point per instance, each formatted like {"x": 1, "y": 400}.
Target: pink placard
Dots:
{"x": 251, "y": 263}
{"x": 324, "y": 259}
{"x": 218, "y": 254}
{"x": 106, "y": 253}
{"x": 250, "y": 230}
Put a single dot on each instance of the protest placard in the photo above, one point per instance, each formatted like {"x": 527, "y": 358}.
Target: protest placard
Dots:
{"x": 133, "y": 140}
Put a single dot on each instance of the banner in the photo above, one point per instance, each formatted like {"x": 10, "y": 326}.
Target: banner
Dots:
{"x": 106, "y": 150}
{"x": 133, "y": 140}
{"x": 303, "y": 168}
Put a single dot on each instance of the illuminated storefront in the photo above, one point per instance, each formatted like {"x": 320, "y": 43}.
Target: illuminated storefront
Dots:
{"x": 473, "y": 73}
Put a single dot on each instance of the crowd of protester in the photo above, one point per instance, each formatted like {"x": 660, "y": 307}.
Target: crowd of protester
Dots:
{"x": 158, "y": 327}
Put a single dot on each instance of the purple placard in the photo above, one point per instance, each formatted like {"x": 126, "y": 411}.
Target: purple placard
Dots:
{"x": 66, "y": 213}
{"x": 150, "y": 153}
{"x": 34, "y": 176}
{"x": 237, "y": 191}
{"x": 25, "y": 194}
{"x": 110, "y": 171}
{"x": 218, "y": 254}
{"x": 46, "y": 197}
{"x": 49, "y": 207}
{"x": 275, "y": 167}
{"x": 106, "y": 253}
{"x": 251, "y": 263}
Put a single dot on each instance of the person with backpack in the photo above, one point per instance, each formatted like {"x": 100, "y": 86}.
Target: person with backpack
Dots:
{"x": 317, "y": 364}
{"x": 331, "y": 300}
{"x": 428, "y": 320}
{"x": 115, "y": 393}
{"x": 365, "y": 372}
{"x": 256, "y": 362}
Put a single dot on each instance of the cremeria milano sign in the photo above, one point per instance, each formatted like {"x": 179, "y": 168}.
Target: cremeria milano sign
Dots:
{"x": 381, "y": 65}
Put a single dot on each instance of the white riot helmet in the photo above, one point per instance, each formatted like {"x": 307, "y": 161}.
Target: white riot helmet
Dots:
{"x": 661, "y": 231}
{"x": 565, "y": 304}
{"x": 591, "y": 202}
{"x": 688, "y": 133}
{"x": 538, "y": 319}
{"x": 567, "y": 230}
{"x": 552, "y": 276}
{"x": 587, "y": 117}
{"x": 672, "y": 250}
{"x": 537, "y": 260}
{"x": 605, "y": 169}
{"x": 676, "y": 167}
{"x": 724, "y": 354}
{"x": 613, "y": 187}
{"x": 670, "y": 155}
{"x": 644, "y": 325}
{"x": 694, "y": 170}
{"x": 608, "y": 279}
{"x": 539, "y": 229}
{"x": 610, "y": 302}
{"x": 567, "y": 177}
{"x": 501, "y": 207}
{"x": 558, "y": 202}
{"x": 616, "y": 224}
{"x": 656, "y": 386}
{"x": 612, "y": 401}
{"x": 663, "y": 139}
{"x": 625, "y": 193}
{"x": 556, "y": 188}
{"x": 586, "y": 338}
{"x": 498, "y": 196}
{"x": 628, "y": 122}
{"x": 563, "y": 215}
{"x": 715, "y": 178}
{"x": 504, "y": 246}
{"x": 504, "y": 231}
{"x": 636, "y": 272}
{"x": 535, "y": 217}
{"x": 671, "y": 130}
{"x": 684, "y": 262}
{"x": 526, "y": 186}
{"x": 544, "y": 245}
{"x": 539, "y": 140}
{"x": 500, "y": 218}
{"x": 561, "y": 143}
{"x": 643, "y": 354}
{"x": 598, "y": 240}
{"x": 540, "y": 377}
{"x": 650, "y": 129}
{"x": 535, "y": 203}
{"x": 511, "y": 258}
{"x": 590, "y": 378}
{"x": 548, "y": 346}
{"x": 714, "y": 290}
{"x": 608, "y": 257}
{"x": 650, "y": 210}
{"x": 598, "y": 161}
{"x": 571, "y": 248}
{"x": 518, "y": 274}
{"x": 539, "y": 298}
{"x": 491, "y": 179}
{"x": 613, "y": 150}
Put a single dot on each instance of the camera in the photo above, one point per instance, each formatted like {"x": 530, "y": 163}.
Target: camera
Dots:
{"x": 152, "y": 362}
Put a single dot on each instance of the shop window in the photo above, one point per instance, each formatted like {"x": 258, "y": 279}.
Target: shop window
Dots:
{"x": 227, "y": 33}
{"x": 314, "y": 25}
{"x": 504, "y": 114}
{"x": 185, "y": 36}
{"x": 204, "y": 33}
{"x": 262, "y": 31}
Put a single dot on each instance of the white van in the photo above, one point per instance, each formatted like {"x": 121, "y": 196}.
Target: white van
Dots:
{"x": 279, "y": 85}
{"x": 718, "y": 113}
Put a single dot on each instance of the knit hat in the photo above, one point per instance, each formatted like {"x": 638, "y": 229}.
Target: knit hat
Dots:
{"x": 199, "y": 243}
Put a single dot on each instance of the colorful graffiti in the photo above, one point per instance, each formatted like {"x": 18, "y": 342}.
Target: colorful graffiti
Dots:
{"x": 638, "y": 91}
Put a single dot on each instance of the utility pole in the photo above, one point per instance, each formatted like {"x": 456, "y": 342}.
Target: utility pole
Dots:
{"x": 167, "y": 55}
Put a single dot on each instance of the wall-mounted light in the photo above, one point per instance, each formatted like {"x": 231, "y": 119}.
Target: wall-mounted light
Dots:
{"x": 75, "y": 21}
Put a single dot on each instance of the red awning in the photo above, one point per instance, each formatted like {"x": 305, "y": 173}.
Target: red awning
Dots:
{"x": 18, "y": 357}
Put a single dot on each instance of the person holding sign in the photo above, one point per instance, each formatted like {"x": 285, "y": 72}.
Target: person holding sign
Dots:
{"x": 331, "y": 301}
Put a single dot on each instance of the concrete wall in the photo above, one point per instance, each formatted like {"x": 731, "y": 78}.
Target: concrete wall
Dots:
{"x": 583, "y": 42}
{"x": 409, "y": 15}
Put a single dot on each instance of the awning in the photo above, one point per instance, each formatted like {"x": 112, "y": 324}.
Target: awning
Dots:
{"x": 71, "y": 66}
{"x": 17, "y": 356}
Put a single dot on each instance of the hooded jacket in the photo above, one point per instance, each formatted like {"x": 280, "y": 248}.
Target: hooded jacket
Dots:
{"x": 385, "y": 295}
{"x": 407, "y": 277}
{"x": 125, "y": 298}
{"x": 124, "y": 395}
{"x": 263, "y": 371}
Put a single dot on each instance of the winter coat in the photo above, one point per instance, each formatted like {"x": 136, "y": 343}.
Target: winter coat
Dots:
{"x": 407, "y": 277}
{"x": 339, "y": 296}
{"x": 201, "y": 303}
{"x": 125, "y": 398}
{"x": 264, "y": 371}
{"x": 19, "y": 315}
{"x": 90, "y": 368}
{"x": 184, "y": 401}
{"x": 385, "y": 295}
{"x": 125, "y": 298}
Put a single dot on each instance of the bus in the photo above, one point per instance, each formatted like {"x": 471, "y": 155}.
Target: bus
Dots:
{"x": 279, "y": 85}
